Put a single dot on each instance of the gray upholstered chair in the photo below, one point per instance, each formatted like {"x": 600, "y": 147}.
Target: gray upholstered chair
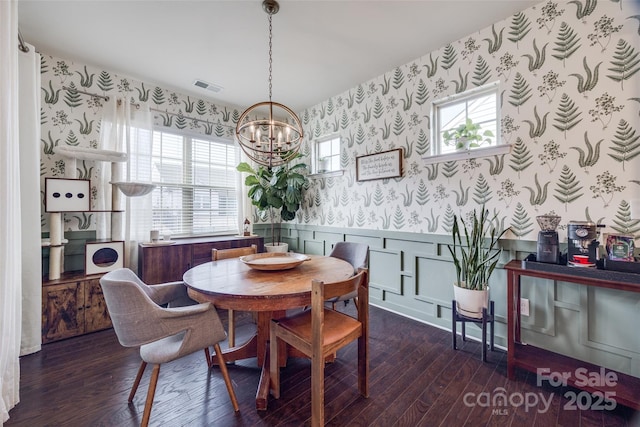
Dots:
{"x": 163, "y": 334}
{"x": 217, "y": 254}
{"x": 356, "y": 254}
{"x": 170, "y": 294}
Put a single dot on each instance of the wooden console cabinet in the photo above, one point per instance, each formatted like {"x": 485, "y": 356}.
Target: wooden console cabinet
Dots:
{"x": 625, "y": 390}
{"x": 73, "y": 305}
{"x": 161, "y": 264}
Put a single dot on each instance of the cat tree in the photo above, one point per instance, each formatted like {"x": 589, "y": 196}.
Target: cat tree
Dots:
{"x": 129, "y": 189}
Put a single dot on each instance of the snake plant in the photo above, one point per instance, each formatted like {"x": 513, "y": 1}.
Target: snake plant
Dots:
{"x": 474, "y": 260}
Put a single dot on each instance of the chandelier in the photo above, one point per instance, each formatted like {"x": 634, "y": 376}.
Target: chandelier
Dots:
{"x": 269, "y": 133}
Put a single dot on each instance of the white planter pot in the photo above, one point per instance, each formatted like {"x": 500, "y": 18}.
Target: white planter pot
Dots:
{"x": 462, "y": 144}
{"x": 470, "y": 302}
{"x": 276, "y": 247}
{"x": 324, "y": 165}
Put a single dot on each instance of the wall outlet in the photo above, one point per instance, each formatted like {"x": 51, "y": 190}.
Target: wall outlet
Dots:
{"x": 524, "y": 306}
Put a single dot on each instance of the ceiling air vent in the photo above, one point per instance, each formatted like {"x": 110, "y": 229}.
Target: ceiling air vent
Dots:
{"x": 208, "y": 86}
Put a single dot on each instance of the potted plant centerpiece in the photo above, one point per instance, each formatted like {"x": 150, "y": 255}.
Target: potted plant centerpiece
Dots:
{"x": 277, "y": 193}
{"x": 467, "y": 135}
{"x": 475, "y": 256}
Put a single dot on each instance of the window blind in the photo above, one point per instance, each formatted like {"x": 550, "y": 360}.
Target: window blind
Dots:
{"x": 197, "y": 186}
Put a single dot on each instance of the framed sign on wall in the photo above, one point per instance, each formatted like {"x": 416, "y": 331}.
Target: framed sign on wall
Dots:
{"x": 386, "y": 164}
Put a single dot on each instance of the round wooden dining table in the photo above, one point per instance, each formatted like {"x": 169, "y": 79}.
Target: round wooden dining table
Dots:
{"x": 232, "y": 284}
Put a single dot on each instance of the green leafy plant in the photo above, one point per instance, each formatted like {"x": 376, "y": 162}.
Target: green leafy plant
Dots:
{"x": 467, "y": 135}
{"x": 276, "y": 192}
{"x": 473, "y": 259}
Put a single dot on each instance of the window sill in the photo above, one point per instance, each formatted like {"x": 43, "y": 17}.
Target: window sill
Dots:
{"x": 468, "y": 154}
{"x": 331, "y": 174}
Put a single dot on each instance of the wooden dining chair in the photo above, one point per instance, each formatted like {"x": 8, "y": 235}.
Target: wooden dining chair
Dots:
{"x": 217, "y": 254}
{"x": 321, "y": 332}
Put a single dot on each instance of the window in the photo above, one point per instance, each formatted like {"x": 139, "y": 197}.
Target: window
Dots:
{"x": 198, "y": 186}
{"x": 327, "y": 155}
{"x": 479, "y": 107}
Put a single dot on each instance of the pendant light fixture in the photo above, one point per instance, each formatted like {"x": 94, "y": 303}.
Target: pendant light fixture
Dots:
{"x": 269, "y": 133}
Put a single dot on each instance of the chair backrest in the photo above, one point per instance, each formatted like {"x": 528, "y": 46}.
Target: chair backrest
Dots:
{"x": 125, "y": 274}
{"x": 134, "y": 315}
{"x": 342, "y": 334}
{"x": 217, "y": 254}
{"x": 321, "y": 292}
{"x": 356, "y": 254}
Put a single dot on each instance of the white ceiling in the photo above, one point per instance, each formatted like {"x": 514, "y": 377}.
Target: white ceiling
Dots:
{"x": 320, "y": 48}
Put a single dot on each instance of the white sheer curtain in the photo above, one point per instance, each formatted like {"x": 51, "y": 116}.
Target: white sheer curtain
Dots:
{"x": 113, "y": 134}
{"x": 126, "y": 127}
{"x": 138, "y": 219}
{"x": 246, "y": 208}
{"x": 10, "y": 220}
{"x": 29, "y": 92}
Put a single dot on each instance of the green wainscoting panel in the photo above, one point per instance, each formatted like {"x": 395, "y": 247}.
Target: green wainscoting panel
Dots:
{"x": 375, "y": 294}
{"x": 313, "y": 247}
{"x": 292, "y": 242}
{"x": 329, "y": 239}
{"x": 434, "y": 280}
{"x": 568, "y": 293}
{"x": 304, "y": 235}
{"x": 385, "y": 268}
{"x": 542, "y": 302}
{"x": 498, "y": 293}
{"x": 607, "y": 318}
{"x": 373, "y": 242}
{"x": 411, "y": 274}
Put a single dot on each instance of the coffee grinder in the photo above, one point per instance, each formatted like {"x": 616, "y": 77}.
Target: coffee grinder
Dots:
{"x": 582, "y": 240}
{"x": 548, "y": 242}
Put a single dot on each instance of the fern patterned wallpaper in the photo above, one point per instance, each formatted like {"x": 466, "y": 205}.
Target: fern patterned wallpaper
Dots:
{"x": 570, "y": 107}
{"x": 72, "y": 118}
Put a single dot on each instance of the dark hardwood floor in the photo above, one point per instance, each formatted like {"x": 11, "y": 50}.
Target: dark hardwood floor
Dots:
{"x": 416, "y": 379}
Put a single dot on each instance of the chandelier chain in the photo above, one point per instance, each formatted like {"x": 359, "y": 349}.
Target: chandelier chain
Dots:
{"x": 268, "y": 132}
{"x": 270, "y": 53}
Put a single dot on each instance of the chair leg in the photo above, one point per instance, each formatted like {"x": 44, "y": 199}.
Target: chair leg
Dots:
{"x": 363, "y": 366}
{"x": 136, "y": 383}
{"x": 232, "y": 329}
{"x": 225, "y": 375}
{"x": 317, "y": 390}
{"x": 274, "y": 369}
{"x": 150, "y": 394}
{"x": 207, "y": 356}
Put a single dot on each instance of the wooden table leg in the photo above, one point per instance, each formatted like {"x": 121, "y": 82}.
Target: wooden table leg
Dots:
{"x": 264, "y": 318}
{"x": 262, "y": 395}
{"x": 250, "y": 348}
